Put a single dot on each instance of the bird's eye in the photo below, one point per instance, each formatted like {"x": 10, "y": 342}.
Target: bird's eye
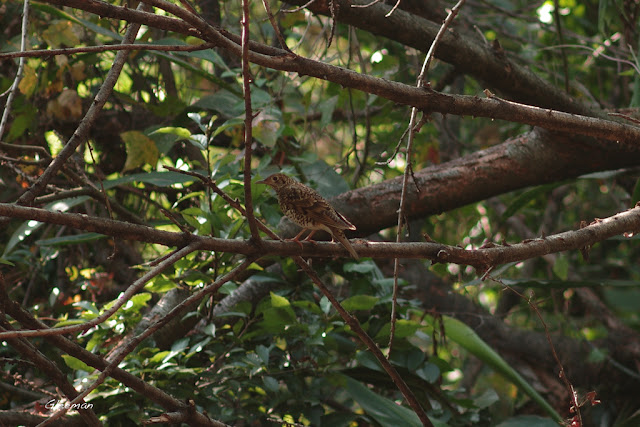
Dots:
{"x": 275, "y": 179}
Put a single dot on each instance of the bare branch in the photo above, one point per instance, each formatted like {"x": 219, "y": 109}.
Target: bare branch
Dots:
{"x": 248, "y": 123}
{"x": 427, "y": 100}
{"x": 13, "y": 89}
{"x": 44, "y": 53}
{"x": 624, "y": 222}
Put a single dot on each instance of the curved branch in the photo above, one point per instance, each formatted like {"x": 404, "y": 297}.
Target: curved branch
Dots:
{"x": 488, "y": 64}
{"x": 400, "y": 93}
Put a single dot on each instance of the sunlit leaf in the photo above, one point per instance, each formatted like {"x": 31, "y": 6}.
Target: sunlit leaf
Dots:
{"x": 140, "y": 150}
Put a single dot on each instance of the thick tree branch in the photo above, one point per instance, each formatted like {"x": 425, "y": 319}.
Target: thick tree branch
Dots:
{"x": 534, "y": 158}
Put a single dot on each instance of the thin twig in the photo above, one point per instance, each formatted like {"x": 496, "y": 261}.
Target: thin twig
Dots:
{"x": 626, "y": 117}
{"x": 40, "y": 150}
{"x": 14, "y": 87}
{"x": 563, "y": 54}
{"x": 130, "y": 292}
{"x": 365, "y": 5}
{"x": 393, "y": 9}
{"x": 44, "y": 53}
{"x": 361, "y": 162}
{"x": 596, "y": 53}
{"x": 82, "y": 131}
{"x": 274, "y": 24}
{"x": 248, "y": 123}
{"x": 562, "y": 374}
{"x": 408, "y": 169}
{"x": 298, "y": 9}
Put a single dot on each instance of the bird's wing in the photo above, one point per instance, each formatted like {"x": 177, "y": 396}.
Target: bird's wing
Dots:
{"x": 309, "y": 203}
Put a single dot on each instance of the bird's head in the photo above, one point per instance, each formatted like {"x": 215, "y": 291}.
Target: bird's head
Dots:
{"x": 276, "y": 181}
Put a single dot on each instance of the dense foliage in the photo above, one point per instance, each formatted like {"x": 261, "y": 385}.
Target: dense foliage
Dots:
{"x": 476, "y": 344}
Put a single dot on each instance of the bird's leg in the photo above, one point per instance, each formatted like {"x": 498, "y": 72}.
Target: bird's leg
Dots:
{"x": 297, "y": 238}
{"x": 308, "y": 239}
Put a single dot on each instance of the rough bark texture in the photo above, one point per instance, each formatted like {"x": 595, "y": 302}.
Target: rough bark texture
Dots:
{"x": 538, "y": 157}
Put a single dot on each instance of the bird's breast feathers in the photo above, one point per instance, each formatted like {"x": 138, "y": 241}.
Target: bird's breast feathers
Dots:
{"x": 308, "y": 209}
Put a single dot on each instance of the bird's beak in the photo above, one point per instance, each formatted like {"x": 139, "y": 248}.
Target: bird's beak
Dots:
{"x": 261, "y": 182}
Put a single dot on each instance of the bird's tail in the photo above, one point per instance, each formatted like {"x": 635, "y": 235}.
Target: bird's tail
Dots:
{"x": 339, "y": 235}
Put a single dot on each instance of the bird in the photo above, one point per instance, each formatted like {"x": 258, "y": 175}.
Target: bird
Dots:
{"x": 308, "y": 209}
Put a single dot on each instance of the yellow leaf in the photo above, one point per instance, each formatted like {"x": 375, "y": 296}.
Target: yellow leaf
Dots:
{"x": 60, "y": 33}
{"x": 140, "y": 150}
{"x": 67, "y": 106}
{"x": 28, "y": 83}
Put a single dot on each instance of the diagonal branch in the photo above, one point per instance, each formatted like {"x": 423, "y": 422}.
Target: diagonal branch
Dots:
{"x": 168, "y": 402}
{"x": 126, "y": 348}
{"x": 123, "y": 299}
{"x": 366, "y": 339}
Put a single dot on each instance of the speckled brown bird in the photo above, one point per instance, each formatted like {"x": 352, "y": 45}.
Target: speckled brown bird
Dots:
{"x": 305, "y": 207}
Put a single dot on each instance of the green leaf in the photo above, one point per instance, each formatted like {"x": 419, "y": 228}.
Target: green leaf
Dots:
{"x": 561, "y": 267}
{"x": 528, "y": 421}
{"x": 179, "y": 132}
{"x": 486, "y": 399}
{"x": 224, "y": 102}
{"x": 263, "y": 352}
{"x": 76, "y": 364}
{"x": 278, "y": 301}
{"x": 231, "y": 123}
{"x": 466, "y": 337}
{"x": 525, "y": 198}
{"x": 68, "y": 322}
{"x": 161, "y": 179}
{"x": 364, "y": 267}
{"x": 404, "y": 328}
{"x": 360, "y": 302}
{"x": 602, "y": 15}
{"x": 386, "y": 412}
{"x": 327, "y": 108}
{"x": 325, "y": 179}
{"x": 271, "y": 384}
{"x": 267, "y": 127}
